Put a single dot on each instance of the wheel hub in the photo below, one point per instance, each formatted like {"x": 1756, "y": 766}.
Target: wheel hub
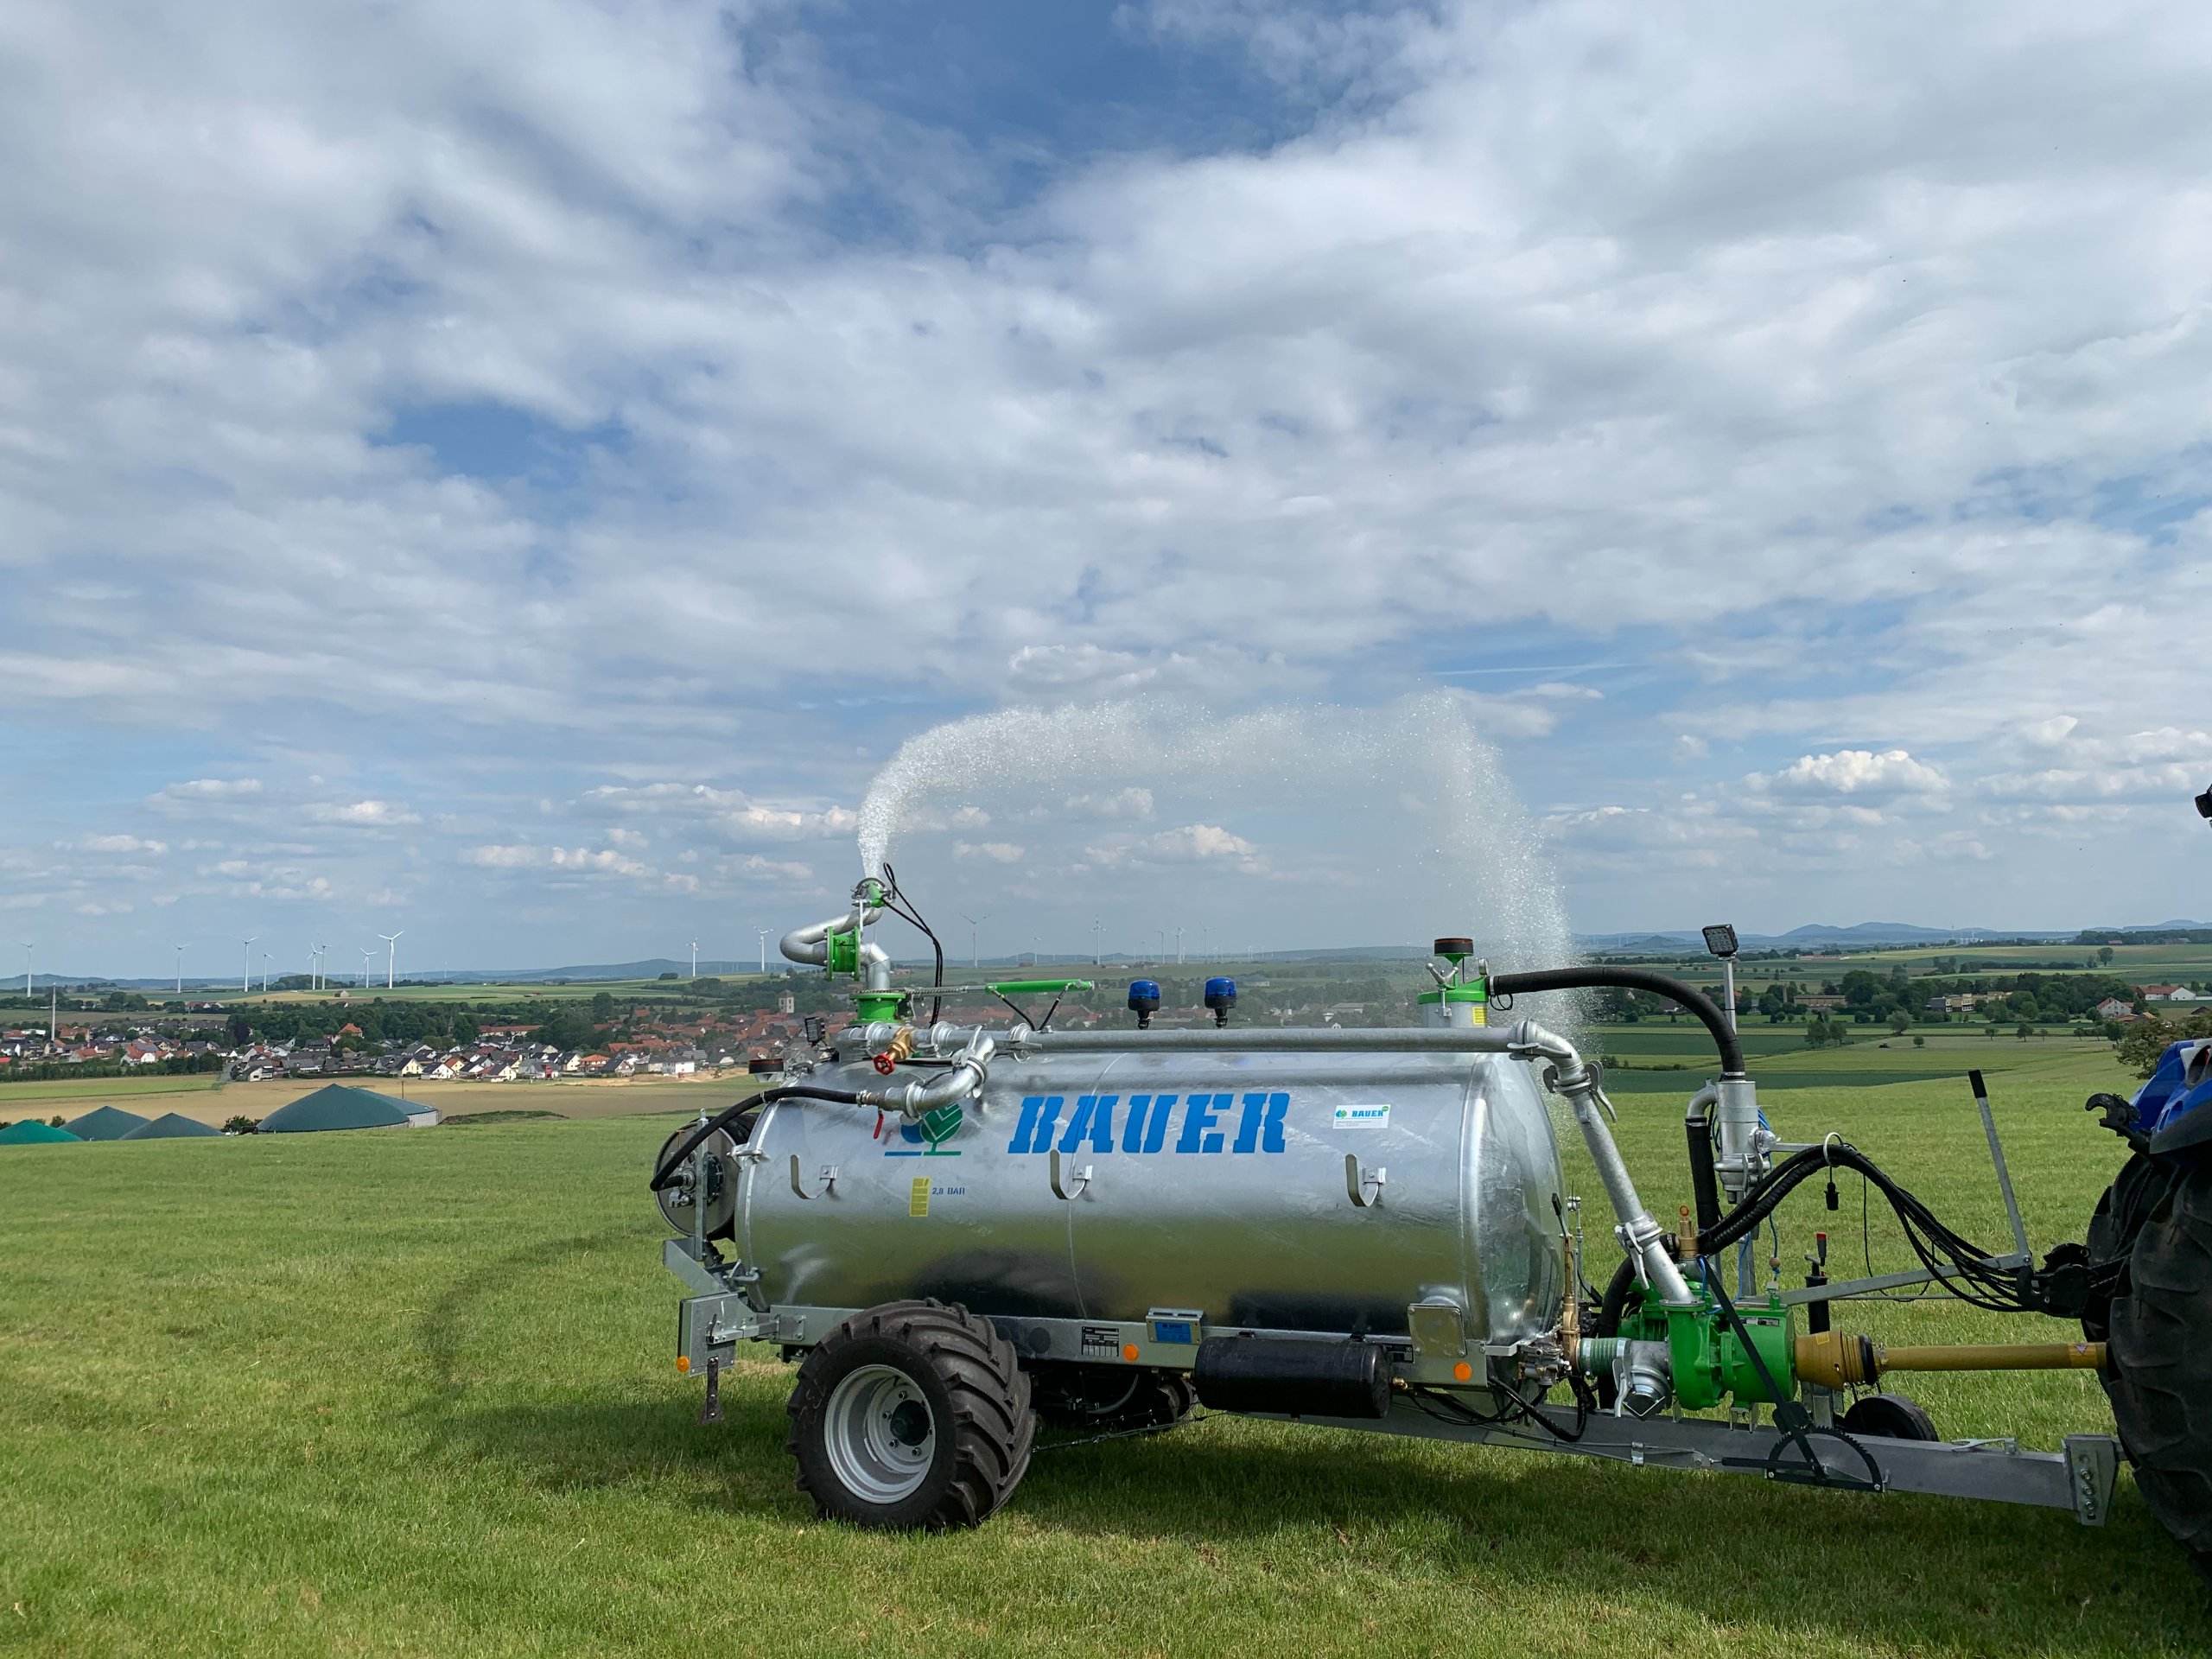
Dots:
{"x": 880, "y": 1433}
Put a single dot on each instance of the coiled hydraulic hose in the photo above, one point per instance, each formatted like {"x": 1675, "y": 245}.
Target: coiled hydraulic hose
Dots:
{"x": 1595, "y": 977}
{"x": 728, "y": 1114}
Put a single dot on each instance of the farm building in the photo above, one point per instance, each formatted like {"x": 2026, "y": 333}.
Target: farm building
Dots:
{"x": 172, "y": 1126}
{"x": 32, "y": 1133}
{"x": 336, "y": 1106}
{"x": 105, "y": 1123}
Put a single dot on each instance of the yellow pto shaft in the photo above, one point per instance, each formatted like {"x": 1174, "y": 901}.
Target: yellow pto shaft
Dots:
{"x": 1835, "y": 1360}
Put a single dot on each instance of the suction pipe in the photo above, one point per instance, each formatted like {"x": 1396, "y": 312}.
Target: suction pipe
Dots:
{"x": 811, "y": 945}
{"x": 1640, "y": 1235}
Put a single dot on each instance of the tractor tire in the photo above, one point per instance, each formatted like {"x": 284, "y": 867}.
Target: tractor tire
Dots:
{"x": 2159, "y": 1375}
{"x": 2134, "y": 1192}
{"x": 1110, "y": 1400}
{"x": 912, "y": 1417}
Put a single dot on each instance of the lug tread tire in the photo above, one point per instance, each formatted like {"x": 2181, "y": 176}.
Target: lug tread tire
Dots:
{"x": 2142, "y": 1181}
{"x": 2160, "y": 1376}
{"x": 985, "y": 1424}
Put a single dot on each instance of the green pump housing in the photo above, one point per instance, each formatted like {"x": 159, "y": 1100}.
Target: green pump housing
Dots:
{"x": 1710, "y": 1364}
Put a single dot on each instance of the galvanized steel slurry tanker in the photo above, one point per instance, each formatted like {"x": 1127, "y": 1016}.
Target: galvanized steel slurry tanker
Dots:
{"x": 959, "y": 1231}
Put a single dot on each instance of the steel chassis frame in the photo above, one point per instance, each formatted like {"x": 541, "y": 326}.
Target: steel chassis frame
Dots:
{"x": 720, "y": 1315}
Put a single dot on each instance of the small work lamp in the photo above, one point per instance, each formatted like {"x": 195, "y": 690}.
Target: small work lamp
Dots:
{"x": 1720, "y": 940}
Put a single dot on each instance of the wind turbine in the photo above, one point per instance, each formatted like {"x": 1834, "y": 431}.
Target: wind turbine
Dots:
{"x": 763, "y": 932}
{"x": 27, "y": 970}
{"x": 975, "y": 923}
{"x": 1179, "y": 947}
{"x": 367, "y": 952}
{"x": 264, "y": 973}
{"x": 180, "y": 971}
{"x": 316, "y": 978}
{"x": 245, "y": 984}
{"x": 392, "y": 959}
{"x": 1096, "y": 924}
{"x": 695, "y": 958}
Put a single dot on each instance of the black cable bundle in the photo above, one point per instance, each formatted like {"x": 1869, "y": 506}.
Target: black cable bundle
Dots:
{"x": 903, "y": 907}
{"x": 1956, "y": 1261}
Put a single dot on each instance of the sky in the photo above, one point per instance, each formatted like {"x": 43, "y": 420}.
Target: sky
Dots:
{"x": 512, "y": 474}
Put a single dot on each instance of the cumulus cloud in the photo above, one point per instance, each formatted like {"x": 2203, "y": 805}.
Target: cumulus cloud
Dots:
{"x": 998, "y": 852}
{"x": 1854, "y": 772}
{"x": 603, "y": 860}
{"x": 120, "y": 844}
{"x": 364, "y": 814}
{"x": 486, "y": 396}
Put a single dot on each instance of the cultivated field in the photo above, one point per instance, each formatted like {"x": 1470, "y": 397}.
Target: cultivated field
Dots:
{"x": 411, "y": 1393}
{"x": 197, "y": 1097}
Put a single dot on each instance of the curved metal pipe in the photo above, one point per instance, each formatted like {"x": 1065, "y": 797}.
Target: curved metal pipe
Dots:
{"x": 811, "y": 946}
{"x": 963, "y": 1078}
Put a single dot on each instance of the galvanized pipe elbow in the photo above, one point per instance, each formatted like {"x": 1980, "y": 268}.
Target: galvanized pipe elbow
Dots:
{"x": 963, "y": 1079}
{"x": 811, "y": 945}
{"x": 1642, "y": 1237}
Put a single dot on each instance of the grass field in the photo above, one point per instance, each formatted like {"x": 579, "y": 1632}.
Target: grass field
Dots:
{"x": 412, "y": 1394}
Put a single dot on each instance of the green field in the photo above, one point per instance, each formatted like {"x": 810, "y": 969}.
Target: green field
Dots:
{"x": 412, "y": 1394}
{"x": 103, "y": 1089}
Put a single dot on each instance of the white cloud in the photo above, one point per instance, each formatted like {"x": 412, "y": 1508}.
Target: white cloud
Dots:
{"x": 1624, "y": 326}
{"x": 1854, "y": 772}
{"x": 370, "y": 814}
{"x": 120, "y": 844}
{"x": 998, "y": 852}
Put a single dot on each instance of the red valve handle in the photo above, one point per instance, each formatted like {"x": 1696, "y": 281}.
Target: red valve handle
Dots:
{"x": 885, "y": 1063}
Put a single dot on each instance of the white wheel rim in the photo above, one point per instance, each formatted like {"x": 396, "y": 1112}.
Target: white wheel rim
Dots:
{"x": 880, "y": 1433}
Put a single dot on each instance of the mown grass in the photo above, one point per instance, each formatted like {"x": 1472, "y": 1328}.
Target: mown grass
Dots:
{"x": 412, "y": 1394}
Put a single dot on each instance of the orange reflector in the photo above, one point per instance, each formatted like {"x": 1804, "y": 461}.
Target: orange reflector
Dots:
{"x": 1463, "y": 1372}
{"x": 1130, "y": 1352}
{"x": 683, "y": 1362}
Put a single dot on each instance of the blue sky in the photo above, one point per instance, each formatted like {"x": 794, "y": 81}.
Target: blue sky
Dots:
{"x": 515, "y": 474}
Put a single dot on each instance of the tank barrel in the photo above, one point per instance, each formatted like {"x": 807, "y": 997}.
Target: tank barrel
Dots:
{"x": 1642, "y": 1236}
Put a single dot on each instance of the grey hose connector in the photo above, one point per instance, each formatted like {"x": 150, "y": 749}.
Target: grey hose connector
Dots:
{"x": 1642, "y": 1237}
{"x": 964, "y": 1078}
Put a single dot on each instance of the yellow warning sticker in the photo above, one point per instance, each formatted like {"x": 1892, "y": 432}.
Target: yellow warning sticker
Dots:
{"x": 918, "y": 1201}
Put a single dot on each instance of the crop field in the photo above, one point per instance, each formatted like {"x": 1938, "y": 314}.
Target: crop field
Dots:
{"x": 412, "y": 1393}
{"x": 81, "y": 1094}
{"x": 574, "y": 1097}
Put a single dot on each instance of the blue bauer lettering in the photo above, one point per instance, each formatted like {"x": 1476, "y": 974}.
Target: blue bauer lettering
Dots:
{"x": 1260, "y": 1129}
{"x": 1197, "y": 1118}
{"x": 1039, "y": 1113}
{"x": 1093, "y": 1121}
{"x": 1146, "y": 1127}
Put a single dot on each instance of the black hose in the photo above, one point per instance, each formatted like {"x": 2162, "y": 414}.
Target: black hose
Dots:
{"x": 728, "y": 1114}
{"x": 1633, "y": 979}
{"x": 1705, "y": 1184}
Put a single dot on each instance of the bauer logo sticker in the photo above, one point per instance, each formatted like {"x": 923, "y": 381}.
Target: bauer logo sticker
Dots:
{"x": 1350, "y": 1116}
{"x": 918, "y": 1197}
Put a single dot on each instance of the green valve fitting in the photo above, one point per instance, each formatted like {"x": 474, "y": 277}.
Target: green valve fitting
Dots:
{"x": 877, "y": 1005}
{"x": 843, "y": 955}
